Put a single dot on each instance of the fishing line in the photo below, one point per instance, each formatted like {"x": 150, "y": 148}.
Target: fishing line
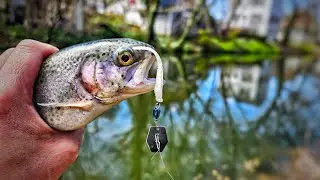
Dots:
{"x": 158, "y": 147}
{"x": 157, "y": 137}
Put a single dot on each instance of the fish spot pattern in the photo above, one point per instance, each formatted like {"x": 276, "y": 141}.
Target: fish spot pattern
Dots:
{"x": 56, "y": 82}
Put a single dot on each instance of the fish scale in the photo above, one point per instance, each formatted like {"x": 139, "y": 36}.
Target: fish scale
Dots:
{"x": 60, "y": 97}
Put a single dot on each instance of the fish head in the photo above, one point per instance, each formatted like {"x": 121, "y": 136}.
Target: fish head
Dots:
{"x": 121, "y": 74}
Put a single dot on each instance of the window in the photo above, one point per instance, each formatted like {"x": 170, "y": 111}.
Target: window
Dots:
{"x": 256, "y": 19}
{"x": 236, "y": 17}
{"x": 245, "y": 93}
{"x": 247, "y": 77}
{"x": 257, "y": 2}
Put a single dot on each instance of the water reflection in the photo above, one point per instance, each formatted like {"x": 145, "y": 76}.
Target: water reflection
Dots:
{"x": 256, "y": 118}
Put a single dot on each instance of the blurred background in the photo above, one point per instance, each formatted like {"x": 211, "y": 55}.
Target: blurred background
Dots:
{"x": 242, "y": 91}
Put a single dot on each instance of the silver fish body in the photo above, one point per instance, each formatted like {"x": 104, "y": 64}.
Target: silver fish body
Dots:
{"x": 77, "y": 84}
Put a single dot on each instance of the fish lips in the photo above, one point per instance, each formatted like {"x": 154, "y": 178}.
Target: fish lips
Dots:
{"x": 137, "y": 81}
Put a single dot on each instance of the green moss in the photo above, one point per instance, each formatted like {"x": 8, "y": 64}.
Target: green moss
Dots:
{"x": 235, "y": 45}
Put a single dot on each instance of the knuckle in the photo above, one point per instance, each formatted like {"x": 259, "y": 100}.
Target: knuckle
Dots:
{"x": 8, "y": 51}
{"x": 27, "y": 45}
{"x": 73, "y": 152}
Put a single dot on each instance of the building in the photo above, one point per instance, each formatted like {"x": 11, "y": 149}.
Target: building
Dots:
{"x": 169, "y": 22}
{"x": 131, "y": 10}
{"x": 258, "y": 17}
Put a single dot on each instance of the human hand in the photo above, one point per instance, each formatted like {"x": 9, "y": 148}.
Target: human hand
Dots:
{"x": 29, "y": 148}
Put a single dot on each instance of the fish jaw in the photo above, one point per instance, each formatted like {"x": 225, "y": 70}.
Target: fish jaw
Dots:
{"x": 110, "y": 84}
{"x": 138, "y": 82}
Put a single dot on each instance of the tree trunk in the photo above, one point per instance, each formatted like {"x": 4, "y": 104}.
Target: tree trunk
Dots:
{"x": 226, "y": 28}
{"x": 211, "y": 24}
{"x": 289, "y": 28}
{"x": 290, "y": 25}
{"x": 45, "y": 13}
{"x": 40, "y": 13}
{"x": 4, "y": 11}
{"x": 78, "y": 16}
{"x": 190, "y": 23}
{"x": 140, "y": 120}
{"x": 152, "y": 17}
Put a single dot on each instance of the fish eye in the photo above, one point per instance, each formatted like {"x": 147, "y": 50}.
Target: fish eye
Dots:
{"x": 125, "y": 58}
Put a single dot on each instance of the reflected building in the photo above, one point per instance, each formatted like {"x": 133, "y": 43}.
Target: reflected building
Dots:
{"x": 245, "y": 83}
{"x": 257, "y": 17}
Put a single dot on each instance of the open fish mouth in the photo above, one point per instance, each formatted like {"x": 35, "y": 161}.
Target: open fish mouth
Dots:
{"x": 137, "y": 78}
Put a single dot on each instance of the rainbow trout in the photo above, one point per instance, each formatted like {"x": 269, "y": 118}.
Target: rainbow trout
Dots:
{"x": 79, "y": 83}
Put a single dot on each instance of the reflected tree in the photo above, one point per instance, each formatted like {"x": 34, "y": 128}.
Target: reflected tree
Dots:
{"x": 291, "y": 22}
{"x": 213, "y": 144}
{"x": 280, "y": 66}
{"x": 141, "y": 108}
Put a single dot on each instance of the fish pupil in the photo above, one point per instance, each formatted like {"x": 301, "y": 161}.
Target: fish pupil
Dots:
{"x": 125, "y": 58}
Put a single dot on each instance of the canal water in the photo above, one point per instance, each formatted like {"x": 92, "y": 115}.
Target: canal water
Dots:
{"x": 227, "y": 117}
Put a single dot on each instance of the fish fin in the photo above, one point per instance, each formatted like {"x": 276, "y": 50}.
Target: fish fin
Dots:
{"x": 85, "y": 105}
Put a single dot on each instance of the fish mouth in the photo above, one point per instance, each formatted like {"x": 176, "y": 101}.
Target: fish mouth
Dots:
{"x": 137, "y": 82}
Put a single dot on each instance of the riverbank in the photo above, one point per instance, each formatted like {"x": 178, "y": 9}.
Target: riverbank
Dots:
{"x": 204, "y": 43}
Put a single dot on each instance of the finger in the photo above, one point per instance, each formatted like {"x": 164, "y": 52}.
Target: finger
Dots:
{"x": 4, "y": 56}
{"x": 23, "y": 65}
{"x": 30, "y": 54}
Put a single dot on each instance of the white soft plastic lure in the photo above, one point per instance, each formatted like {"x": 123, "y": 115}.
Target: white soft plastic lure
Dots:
{"x": 159, "y": 78}
{"x": 77, "y": 84}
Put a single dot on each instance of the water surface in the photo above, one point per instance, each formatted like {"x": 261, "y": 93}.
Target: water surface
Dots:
{"x": 254, "y": 118}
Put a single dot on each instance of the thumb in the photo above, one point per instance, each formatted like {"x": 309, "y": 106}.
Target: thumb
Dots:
{"x": 23, "y": 64}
